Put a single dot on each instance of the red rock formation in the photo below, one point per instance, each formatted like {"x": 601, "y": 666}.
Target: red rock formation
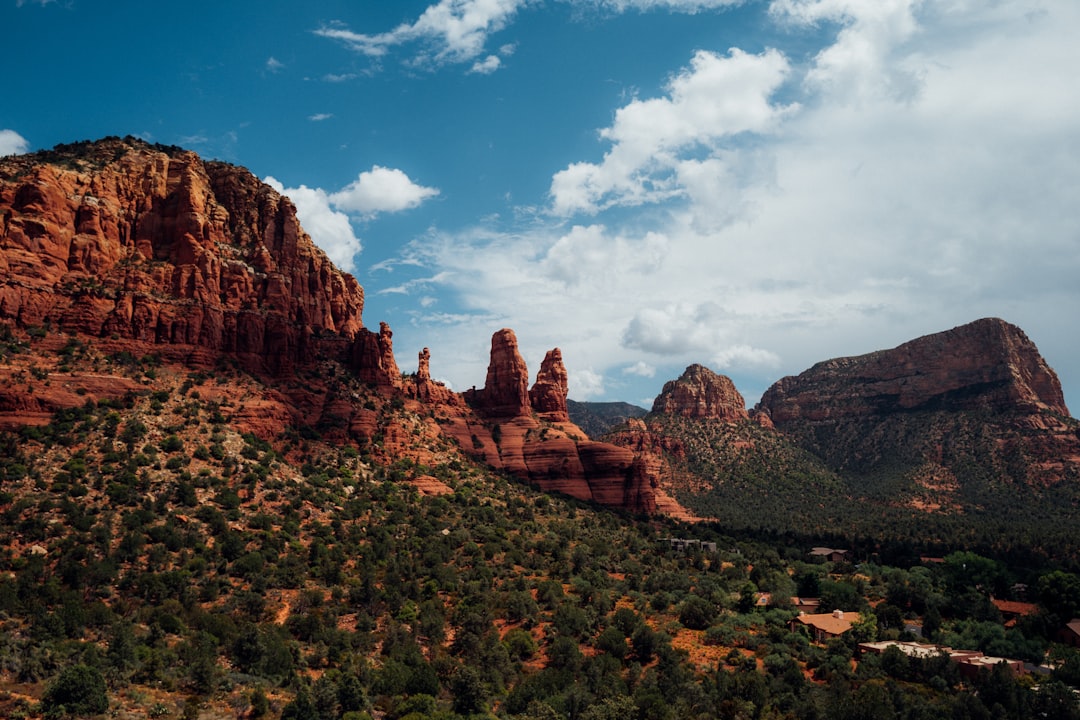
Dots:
{"x": 506, "y": 391}
{"x": 422, "y": 388}
{"x": 543, "y": 449}
{"x": 155, "y": 246}
{"x": 150, "y": 249}
{"x": 985, "y": 365}
{"x": 986, "y": 376}
{"x": 372, "y": 358}
{"x": 701, "y": 393}
{"x": 548, "y": 394}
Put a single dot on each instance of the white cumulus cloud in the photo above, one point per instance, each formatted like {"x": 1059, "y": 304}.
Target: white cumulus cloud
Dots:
{"x": 585, "y": 384}
{"x": 12, "y": 143}
{"x": 486, "y": 66}
{"x": 928, "y": 178}
{"x": 641, "y": 369}
{"x": 326, "y": 216}
{"x": 715, "y": 99}
{"x": 381, "y": 190}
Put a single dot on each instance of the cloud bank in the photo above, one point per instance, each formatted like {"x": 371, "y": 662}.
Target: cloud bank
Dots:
{"x": 765, "y": 212}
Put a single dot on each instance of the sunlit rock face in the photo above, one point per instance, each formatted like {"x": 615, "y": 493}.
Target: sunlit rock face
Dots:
{"x": 701, "y": 393}
{"x": 978, "y": 393}
{"x": 152, "y": 245}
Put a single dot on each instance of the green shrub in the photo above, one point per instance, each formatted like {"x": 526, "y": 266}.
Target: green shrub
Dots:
{"x": 77, "y": 690}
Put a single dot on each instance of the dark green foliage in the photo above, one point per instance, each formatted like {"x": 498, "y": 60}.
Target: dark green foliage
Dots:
{"x": 234, "y": 575}
{"x": 696, "y": 613}
{"x": 77, "y": 690}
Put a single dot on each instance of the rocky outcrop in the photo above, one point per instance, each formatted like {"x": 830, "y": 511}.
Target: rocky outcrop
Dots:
{"x": 700, "y": 393}
{"x": 987, "y": 365}
{"x": 425, "y": 390}
{"x": 529, "y": 434}
{"x": 372, "y": 358}
{"x": 150, "y": 250}
{"x": 506, "y": 390}
{"x": 548, "y": 393}
{"x": 153, "y": 245}
{"x": 979, "y": 395}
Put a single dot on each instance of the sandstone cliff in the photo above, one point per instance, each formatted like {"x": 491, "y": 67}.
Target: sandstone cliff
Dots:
{"x": 548, "y": 395}
{"x": 148, "y": 251}
{"x": 529, "y": 434}
{"x": 985, "y": 365}
{"x": 977, "y": 396}
{"x": 701, "y": 393}
{"x": 152, "y": 245}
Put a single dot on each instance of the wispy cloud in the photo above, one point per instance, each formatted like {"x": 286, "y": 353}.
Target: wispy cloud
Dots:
{"x": 12, "y": 143}
{"x": 686, "y": 6}
{"x": 457, "y": 31}
{"x": 450, "y": 31}
{"x": 319, "y": 117}
{"x": 338, "y": 78}
{"x": 274, "y": 65}
{"x": 926, "y": 179}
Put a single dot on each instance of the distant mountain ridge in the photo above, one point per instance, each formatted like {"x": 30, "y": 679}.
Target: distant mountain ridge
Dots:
{"x": 596, "y": 418}
{"x": 947, "y": 428}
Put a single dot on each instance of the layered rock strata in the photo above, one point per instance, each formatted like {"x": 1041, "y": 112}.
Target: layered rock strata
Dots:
{"x": 977, "y": 396}
{"x": 528, "y": 433}
{"x": 151, "y": 245}
{"x": 987, "y": 365}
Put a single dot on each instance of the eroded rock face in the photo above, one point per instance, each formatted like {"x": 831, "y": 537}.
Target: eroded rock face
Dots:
{"x": 149, "y": 249}
{"x": 700, "y": 393}
{"x": 506, "y": 390}
{"x": 153, "y": 245}
{"x": 548, "y": 393}
{"x": 529, "y": 434}
{"x": 979, "y": 395}
{"x": 422, "y": 388}
{"x": 985, "y": 365}
{"x": 372, "y": 358}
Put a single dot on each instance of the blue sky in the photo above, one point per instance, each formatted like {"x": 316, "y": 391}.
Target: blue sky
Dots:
{"x": 755, "y": 186}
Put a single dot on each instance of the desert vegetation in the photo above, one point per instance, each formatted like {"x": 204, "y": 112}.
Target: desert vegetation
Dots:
{"x": 160, "y": 561}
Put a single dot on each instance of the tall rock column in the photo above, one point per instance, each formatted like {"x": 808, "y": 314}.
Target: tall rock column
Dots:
{"x": 506, "y": 390}
{"x": 548, "y": 394}
{"x": 373, "y": 358}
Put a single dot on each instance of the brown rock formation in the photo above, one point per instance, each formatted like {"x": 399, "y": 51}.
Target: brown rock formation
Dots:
{"x": 506, "y": 391}
{"x": 548, "y": 394}
{"x": 544, "y": 449}
{"x": 981, "y": 392}
{"x": 373, "y": 358}
{"x": 701, "y": 393}
{"x": 428, "y": 391}
{"x": 151, "y": 250}
{"x": 985, "y": 365}
{"x": 155, "y": 246}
